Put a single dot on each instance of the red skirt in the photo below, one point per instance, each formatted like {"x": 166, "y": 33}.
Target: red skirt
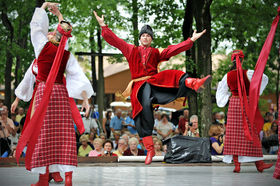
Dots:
{"x": 277, "y": 166}
{"x": 235, "y": 141}
{"x": 57, "y": 142}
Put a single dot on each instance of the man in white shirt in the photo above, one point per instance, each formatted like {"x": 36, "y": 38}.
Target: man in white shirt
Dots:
{"x": 89, "y": 124}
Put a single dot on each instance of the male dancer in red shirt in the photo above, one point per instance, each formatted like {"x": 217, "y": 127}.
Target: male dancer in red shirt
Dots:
{"x": 148, "y": 86}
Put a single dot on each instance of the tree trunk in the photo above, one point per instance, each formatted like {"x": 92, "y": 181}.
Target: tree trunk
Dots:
{"x": 100, "y": 84}
{"x": 203, "y": 21}
{"x": 135, "y": 21}
{"x": 190, "y": 58}
{"x": 93, "y": 69}
{"x": 9, "y": 57}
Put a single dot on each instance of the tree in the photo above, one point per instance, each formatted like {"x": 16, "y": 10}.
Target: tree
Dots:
{"x": 14, "y": 16}
{"x": 203, "y": 21}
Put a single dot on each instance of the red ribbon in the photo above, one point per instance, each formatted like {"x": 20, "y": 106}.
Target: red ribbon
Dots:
{"x": 237, "y": 54}
{"x": 34, "y": 125}
{"x": 254, "y": 115}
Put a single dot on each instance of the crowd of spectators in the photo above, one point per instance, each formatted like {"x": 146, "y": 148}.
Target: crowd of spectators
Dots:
{"x": 117, "y": 135}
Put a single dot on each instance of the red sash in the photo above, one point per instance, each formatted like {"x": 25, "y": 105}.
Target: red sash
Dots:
{"x": 254, "y": 115}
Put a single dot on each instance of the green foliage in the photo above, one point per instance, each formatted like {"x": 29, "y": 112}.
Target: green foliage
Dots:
{"x": 19, "y": 14}
{"x": 245, "y": 24}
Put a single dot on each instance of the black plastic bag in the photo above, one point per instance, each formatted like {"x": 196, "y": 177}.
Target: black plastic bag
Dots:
{"x": 186, "y": 149}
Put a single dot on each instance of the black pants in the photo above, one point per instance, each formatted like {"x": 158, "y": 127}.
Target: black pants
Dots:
{"x": 148, "y": 95}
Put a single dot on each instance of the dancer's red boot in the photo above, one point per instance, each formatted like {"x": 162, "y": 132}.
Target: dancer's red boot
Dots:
{"x": 43, "y": 179}
{"x": 261, "y": 165}
{"x": 56, "y": 176}
{"x": 149, "y": 145}
{"x": 236, "y": 163}
{"x": 197, "y": 84}
{"x": 68, "y": 178}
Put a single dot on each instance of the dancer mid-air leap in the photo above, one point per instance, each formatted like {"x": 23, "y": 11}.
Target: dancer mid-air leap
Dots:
{"x": 148, "y": 86}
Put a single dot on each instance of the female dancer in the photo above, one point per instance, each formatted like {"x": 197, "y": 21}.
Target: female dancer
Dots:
{"x": 49, "y": 131}
{"x": 242, "y": 142}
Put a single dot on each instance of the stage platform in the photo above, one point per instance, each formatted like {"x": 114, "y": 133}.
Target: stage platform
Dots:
{"x": 158, "y": 173}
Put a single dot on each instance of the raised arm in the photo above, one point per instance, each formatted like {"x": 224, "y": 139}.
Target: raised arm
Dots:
{"x": 112, "y": 39}
{"x": 173, "y": 50}
{"x": 24, "y": 90}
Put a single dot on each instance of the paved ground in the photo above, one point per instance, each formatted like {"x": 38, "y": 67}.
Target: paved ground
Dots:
{"x": 128, "y": 174}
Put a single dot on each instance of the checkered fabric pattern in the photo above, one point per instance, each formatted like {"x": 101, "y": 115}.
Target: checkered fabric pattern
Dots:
{"x": 235, "y": 141}
{"x": 56, "y": 142}
{"x": 277, "y": 166}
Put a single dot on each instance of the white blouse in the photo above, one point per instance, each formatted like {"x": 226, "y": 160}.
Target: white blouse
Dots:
{"x": 223, "y": 93}
{"x": 76, "y": 81}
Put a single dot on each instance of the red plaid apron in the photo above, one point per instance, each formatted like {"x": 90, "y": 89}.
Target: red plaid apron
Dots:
{"x": 235, "y": 141}
{"x": 56, "y": 142}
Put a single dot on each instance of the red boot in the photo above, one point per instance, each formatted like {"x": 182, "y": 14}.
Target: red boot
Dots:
{"x": 261, "y": 165}
{"x": 236, "y": 163}
{"x": 43, "y": 179}
{"x": 68, "y": 178}
{"x": 56, "y": 176}
{"x": 197, "y": 84}
{"x": 149, "y": 145}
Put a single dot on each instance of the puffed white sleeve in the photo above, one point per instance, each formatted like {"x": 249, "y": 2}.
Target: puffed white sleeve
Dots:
{"x": 39, "y": 26}
{"x": 264, "y": 80}
{"x": 24, "y": 90}
{"x": 223, "y": 93}
{"x": 76, "y": 80}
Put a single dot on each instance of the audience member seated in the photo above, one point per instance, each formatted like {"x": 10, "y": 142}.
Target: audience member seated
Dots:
{"x": 216, "y": 140}
{"x": 107, "y": 146}
{"x": 84, "y": 149}
{"x": 270, "y": 139}
{"x": 6, "y": 130}
{"x": 20, "y": 114}
{"x": 125, "y": 137}
{"x": 158, "y": 148}
{"x": 183, "y": 121}
{"x": 221, "y": 118}
{"x": 102, "y": 136}
{"x": 122, "y": 146}
{"x": 193, "y": 126}
{"x": 92, "y": 136}
{"x": 267, "y": 125}
{"x": 133, "y": 150}
{"x": 97, "y": 143}
{"x": 140, "y": 145}
{"x": 117, "y": 135}
{"x": 215, "y": 118}
{"x": 164, "y": 128}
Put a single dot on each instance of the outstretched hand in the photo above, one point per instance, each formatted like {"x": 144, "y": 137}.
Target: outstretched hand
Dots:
{"x": 195, "y": 35}
{"x": 85, "y": 107}
{"x": 49, "y": 5}
{"x": 53, "y": 8}
{"x": 14, "y": 105}
{"x": 100, "y": 20}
